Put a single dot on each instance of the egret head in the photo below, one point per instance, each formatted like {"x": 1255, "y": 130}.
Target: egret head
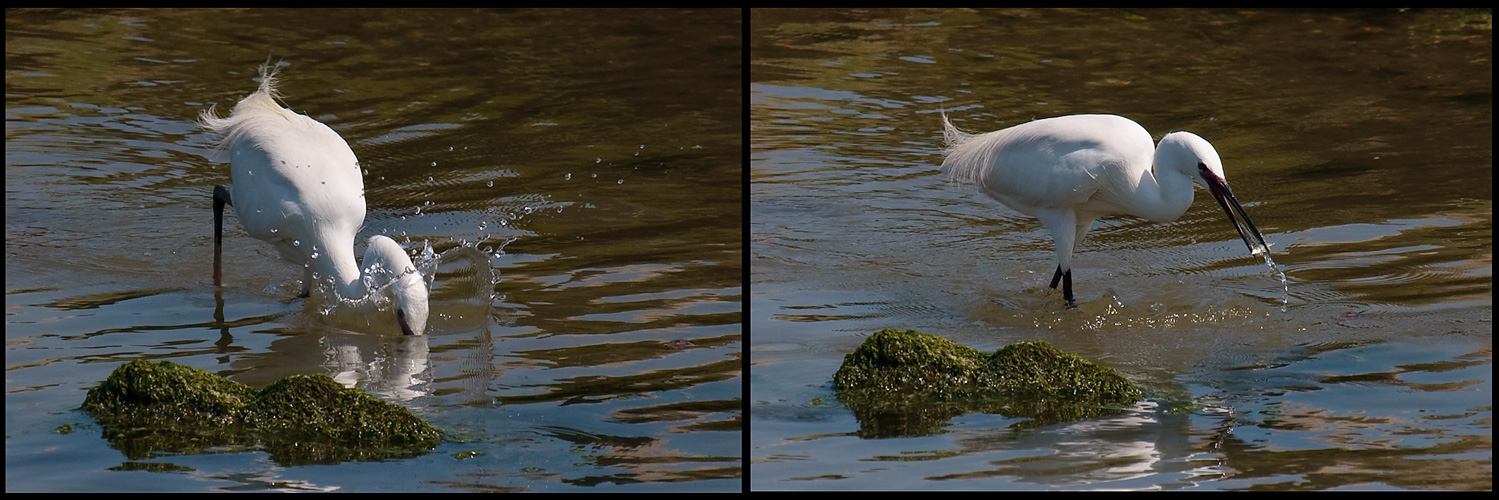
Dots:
{"x": 1186, "y": 152}
{"x": 386, "y": 263}
{"x": 411, "y": 302}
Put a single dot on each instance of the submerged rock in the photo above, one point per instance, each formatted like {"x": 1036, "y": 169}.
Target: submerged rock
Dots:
{"x": 147, "y": 407}
{"x": 905, "y": 382}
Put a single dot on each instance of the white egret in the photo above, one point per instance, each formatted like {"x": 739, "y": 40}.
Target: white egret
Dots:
{"x": 1070, "y": 170}
{"x": 296, "y": 185}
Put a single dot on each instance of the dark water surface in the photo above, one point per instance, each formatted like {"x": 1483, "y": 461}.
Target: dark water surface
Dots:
{"x": 593, "y": 160}
{"x": 1360, "y": 142}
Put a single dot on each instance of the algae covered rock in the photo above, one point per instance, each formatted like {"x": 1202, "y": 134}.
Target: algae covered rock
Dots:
{"x": 320, "y": 408}
{"x": 150, "y": 391}
{"x": 147, "y": 407}
{"x": 905, "y": 382}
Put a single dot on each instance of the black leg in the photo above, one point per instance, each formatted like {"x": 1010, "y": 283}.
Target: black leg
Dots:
{"x": 1066, "y": 280}
{"x": 1067, "y": 289}
{"x": 306, "y": 283}
{"x": 220, "y": 198}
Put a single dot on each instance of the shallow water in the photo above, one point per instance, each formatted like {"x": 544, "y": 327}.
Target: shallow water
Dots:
{"x": 591, "y": 160}
{"x": 1359, "y": 142}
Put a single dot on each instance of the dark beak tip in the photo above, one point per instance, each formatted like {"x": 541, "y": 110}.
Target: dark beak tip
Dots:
{"x": 401, "y": 320}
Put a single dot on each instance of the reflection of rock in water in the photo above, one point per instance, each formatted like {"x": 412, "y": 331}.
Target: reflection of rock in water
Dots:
{"x": 908, "y": 383}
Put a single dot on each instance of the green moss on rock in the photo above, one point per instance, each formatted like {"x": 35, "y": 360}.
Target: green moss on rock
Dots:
{"x": 906, "y": 382}
{"x": 146, "y": 390}
{"x": 147, "y": 407}
{"x": 319, "y": 407}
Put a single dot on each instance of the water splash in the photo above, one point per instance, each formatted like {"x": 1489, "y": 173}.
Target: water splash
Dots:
{"x": 1285, "y": 298}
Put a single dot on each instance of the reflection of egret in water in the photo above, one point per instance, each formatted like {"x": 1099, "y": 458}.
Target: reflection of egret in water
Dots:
{"x": 395, "y": 368}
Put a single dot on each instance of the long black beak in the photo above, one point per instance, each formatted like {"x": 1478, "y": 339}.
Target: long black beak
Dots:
{"x": 1225, "y": 196}
{"x": 401, "y": 319}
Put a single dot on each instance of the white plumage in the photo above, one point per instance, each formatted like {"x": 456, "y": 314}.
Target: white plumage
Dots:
{"x": 1070, "y": 170}
{"x": 297, "y": 185}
